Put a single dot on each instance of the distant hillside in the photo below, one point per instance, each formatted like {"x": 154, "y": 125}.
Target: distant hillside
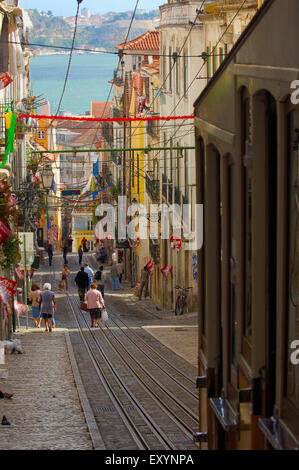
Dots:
{"x": 97, "y": 31}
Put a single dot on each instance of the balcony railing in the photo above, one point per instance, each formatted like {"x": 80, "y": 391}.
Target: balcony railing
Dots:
{"x": 152, "y": 187}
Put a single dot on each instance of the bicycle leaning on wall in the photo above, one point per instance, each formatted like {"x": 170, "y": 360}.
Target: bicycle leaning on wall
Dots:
{"x": 181, "y": 301}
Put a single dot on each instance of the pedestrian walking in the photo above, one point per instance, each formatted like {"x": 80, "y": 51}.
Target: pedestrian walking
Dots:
{"x": 90, "y": 273}
{"x": 50, "y": 254}
{"x": 102, "y": 256}
{"x": 48, "y": 305}
{"x": 99, "y": 277}
{"x": 144, "y": 283}
{"x": 80, "y": 253}
{"x": 81, "y": 280}
{"x": 84, "y": 244}
{"x": 34, "y": 299}
{"x": 95, "y": 303}
{"x": 120, "y": 270}
{"x": 65, "y": 251}
{"x": 115, "y": 277}
{"x": 65, "y": 274}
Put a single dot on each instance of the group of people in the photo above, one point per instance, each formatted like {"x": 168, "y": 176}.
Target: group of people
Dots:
{"x": 91, "y": 292}
{"x": 43, "y": 305}
{"x": 86, "y": 276}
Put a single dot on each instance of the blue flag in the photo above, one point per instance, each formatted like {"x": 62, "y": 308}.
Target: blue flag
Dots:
{"x": 96, "y": 169}
{"x": 54, "y": 187}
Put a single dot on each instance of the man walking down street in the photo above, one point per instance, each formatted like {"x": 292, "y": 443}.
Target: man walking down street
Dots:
{"x": 115, "y": 277}
{"x": 80, "y": 253}
{"x": 90, "y": 273}
{"x": 81, "y": 280}
{"x": 50, "y": 254}
{"x": 144, "y": 283}
{"x": 65, "y": 251}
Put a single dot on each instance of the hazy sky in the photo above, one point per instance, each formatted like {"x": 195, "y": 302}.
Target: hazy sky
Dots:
{"x": 68, "y": 7}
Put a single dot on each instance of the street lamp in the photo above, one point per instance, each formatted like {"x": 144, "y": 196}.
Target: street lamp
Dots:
{"x": 47, "y": 176}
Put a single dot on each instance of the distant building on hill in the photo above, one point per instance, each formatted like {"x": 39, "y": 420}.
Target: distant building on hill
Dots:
{"x": 86, "y": 12}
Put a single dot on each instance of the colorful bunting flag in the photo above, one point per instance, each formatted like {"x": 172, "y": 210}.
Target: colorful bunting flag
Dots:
{"x": 20, "y": 309}
{"x": 7, "y": 289}
{"x": 4, "y": 232}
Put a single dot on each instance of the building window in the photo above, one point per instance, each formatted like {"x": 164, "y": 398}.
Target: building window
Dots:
{"x": 214, "y": 60}
{"x": 178, "y": 182}
{"x": 221, "y": 52}
{"x": 90, "y": 225}
{"x": 41, "y": 135}
{"x": 247, "y": 211}
{"x": 171, "y": 161}
{"x": 232, "y": 288}
{"x": 170, "y": 70}
{"x": 177, "y": 66}
{"x": 90, "y": 245}
{"x": 186, "y": 171}
{"x": 208, "y": 63}
{"x": 185, "y": 73}
{"x": 165, "y": 155}
{"x": 164, "y": 66}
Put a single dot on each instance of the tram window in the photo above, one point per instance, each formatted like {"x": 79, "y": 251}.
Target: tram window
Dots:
{"x": 247, "y": 211}
{"x": 232, "y": 290}
{"x": 248, "y": 257}
{"x": 292, "y": 382}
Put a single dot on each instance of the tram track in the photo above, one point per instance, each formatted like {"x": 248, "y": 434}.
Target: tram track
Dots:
{"x": 184, "y": 398}
{"x": 155, "y": 417}
{"x": 174, "y": 373}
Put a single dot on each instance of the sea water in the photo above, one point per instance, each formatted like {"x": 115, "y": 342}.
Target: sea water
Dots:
{"x": 87, "y": 81}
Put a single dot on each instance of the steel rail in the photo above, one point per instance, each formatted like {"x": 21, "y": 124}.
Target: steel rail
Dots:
{"x": 177, "y": 400}
{"x": 158, "y": 433}
{"x": 132, "y": 332}
{"x": 127, "y": 420}
{"x": 184, "y": 428}
{"x": 178, "y": 371}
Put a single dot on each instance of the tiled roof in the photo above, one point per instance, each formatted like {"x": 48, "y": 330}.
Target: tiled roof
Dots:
{"x": 148, "y": 41}
{"x": 152, "y": 68}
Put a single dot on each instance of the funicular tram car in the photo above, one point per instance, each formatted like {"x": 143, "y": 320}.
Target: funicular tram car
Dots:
{"x": 247, "y": 154}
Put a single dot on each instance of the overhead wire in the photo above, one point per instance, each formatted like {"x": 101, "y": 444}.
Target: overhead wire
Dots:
{"x": 195, "y": 76}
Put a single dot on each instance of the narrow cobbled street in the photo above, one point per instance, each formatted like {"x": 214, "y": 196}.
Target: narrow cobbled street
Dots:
{"x": 127, "y": 385}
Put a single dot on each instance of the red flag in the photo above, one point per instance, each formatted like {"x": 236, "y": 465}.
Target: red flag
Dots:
{"x": 20, "y": 309}
{"x": 5, "y": 80}
{"x": 4, "y": 232}
{"x": 7, "y": 289}
{"x": 175, "y": 243}
{"x": 20, "y": 273}
{"x": 165, "y": 271}
{"x": 150, "y": 267}
{"x": 35, "y": 179}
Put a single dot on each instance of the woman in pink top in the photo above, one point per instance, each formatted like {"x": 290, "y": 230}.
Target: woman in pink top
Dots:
{"x": 95, "y": 303}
